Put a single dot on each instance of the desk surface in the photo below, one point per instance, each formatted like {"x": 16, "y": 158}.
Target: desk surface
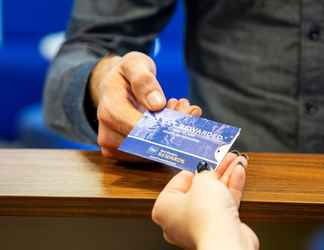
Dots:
{"x": 280, "y": 187}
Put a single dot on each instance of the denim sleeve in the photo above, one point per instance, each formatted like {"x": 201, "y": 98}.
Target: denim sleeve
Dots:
{"x": 96, "y": 28}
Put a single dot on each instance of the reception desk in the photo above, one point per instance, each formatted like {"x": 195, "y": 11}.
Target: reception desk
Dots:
{"x": 59, "y": 183}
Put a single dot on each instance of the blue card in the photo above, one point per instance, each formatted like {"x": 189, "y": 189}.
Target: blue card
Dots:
{"x": 180, "y": 140}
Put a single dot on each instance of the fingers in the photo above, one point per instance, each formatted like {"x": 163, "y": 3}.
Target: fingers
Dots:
{"x": 195, "y": 111}
{"x": 112, "y": 130}
{"x": 172, "y": 104}
{"x": 234, "y": 177}
{"x": 120, "y": 118}
{"x": 183, "y": 105}
{"x": 236, "y": 183}
{"x": 140, "y": 71}
{"x": 115, "y": 108}
{"x": 229, "y": 158}
{"x": 109, "y": 138}
{"x": 231, "y": 172}
{"x": 228, "y": 172}
{"x": 115, "y": 124}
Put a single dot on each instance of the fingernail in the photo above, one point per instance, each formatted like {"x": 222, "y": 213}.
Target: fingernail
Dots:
{"x": 245, "y": 156}
{"x": 195, "y": 112}
{"x": 203, "y": 166}
{"x": 237, "y": 178}
{"x": 242, "y": 161}
{"x": 236, "y": 152}
{"x": 240, "y": 164}
{"x": 155, "y": 99}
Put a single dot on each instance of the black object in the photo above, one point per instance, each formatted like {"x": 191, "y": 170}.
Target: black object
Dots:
{"x": 314, "y": 33}
{"x": 311, "y": 108}
{"x": 203, "y": 166}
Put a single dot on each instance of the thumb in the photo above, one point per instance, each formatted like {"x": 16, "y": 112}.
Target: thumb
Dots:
{"x": 140, "y": 71}
{"x": 179, "y": 183}
{"x": 171, "y": 197}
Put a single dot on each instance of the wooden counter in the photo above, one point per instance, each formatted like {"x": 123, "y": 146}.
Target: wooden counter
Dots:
{"x": 280, "y": 187}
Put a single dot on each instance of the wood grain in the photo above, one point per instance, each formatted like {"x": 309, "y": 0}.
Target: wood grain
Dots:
{"x": 280, "y": 187}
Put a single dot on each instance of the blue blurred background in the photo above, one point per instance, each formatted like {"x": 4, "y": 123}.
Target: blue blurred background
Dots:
{"x": 30, "y": 32}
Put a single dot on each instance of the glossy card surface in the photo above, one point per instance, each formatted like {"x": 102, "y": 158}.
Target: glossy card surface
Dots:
{"x": 180, "y": 140}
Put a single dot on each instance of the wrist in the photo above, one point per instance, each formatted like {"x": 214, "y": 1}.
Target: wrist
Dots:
{"x": 98, "y": 73}
{"x": 215, "y": 237}
{"x": 219, "y": 244}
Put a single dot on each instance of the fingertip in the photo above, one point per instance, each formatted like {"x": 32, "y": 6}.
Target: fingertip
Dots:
{"x": 226, "y": 162}
{"x": 236, "y": 152}
{"x": 156, "y": 100}
{"x": 181, "y": 182}
{"x": 243, "y": 161}
{"x": 185, "y": 174}
{"x": 172, "y": 103}
{"x": 182, "y": 105}
{"x": 246, "y": 156}
{"x": 184, "y": 101}
{"x": 237, "y": 178}
{"x": 196, "y": 111}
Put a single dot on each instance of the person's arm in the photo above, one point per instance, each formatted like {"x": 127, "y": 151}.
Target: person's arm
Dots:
{"x": 97, "y": 29}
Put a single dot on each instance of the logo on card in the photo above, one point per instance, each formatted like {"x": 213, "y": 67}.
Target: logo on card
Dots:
{"x": 153, "y": 150}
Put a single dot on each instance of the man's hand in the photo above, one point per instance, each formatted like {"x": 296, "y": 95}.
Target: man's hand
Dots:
{"x": 201, "y": 211}
{"x": 122, "y": 88}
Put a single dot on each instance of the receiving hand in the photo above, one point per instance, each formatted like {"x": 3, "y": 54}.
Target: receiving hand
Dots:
{"x": 201, "y": 211}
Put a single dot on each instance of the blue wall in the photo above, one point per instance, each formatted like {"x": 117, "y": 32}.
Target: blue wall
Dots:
{"x": 31, "y": 20}
{"x": 23, "y": 69}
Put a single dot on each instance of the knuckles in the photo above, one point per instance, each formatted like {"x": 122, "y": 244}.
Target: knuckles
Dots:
{"x": 107, "y": 141}
{"x": 109, "y": 115}
{"x": 132, "y": 59}
{"x": 138, "y": 56}
{"x": 135, "y": 55}
{"x": 142, "y": 80}
{"x": 102, "y": 113}
{"x": 105, "y": 116}
{"x": 106, "y": 153}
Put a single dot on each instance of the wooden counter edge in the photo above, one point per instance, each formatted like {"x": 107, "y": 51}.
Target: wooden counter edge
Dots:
{"x": 102, "y": 207}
